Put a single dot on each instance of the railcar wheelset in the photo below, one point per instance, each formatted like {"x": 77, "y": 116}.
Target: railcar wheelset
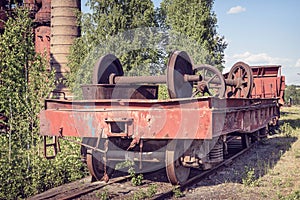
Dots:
{"x": 183, "y": 80}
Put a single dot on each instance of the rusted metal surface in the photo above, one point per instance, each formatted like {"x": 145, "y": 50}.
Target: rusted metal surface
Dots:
{"x": 109, "y": 70}
{"x": 240, "y": 81}
{"x": 195, "y": 179}
{"x": 181, "y": 77}
{"x": 201, "y": 118}
{"x": 176, "y": 173}
{"x": 179, "y": 64}
{"x": 140, "y": 79}
{"x": 268, "y": 82}
{"x": 106, "y": 68}
{"x": 211, "y": 81}
{"x": 266, "y": 71}
{"x": 54, "y": 145}
{"x": 121, "y": 122}
{"x": 33, "y": 5}
{"x": 108, "y": 91}
{"x": 55, "y": 23}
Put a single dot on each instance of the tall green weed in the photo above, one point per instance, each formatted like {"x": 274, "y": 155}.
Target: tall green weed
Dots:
{"x": 25, "y": 81}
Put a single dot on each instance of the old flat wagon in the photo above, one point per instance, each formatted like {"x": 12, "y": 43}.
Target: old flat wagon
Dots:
{"x": 120, "y": 118}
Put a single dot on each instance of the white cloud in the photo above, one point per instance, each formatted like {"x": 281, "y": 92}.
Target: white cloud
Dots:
{"x": 260, "y": 58}
{"x": 236, "y": 10}
{"x": 298, "y": 63}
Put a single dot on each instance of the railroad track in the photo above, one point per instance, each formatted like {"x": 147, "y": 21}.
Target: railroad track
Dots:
{"x": 85, "y": 187}
{"x": 198, "y": 178}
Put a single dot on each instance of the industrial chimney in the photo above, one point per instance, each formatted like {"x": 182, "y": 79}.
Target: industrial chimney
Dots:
{"x": 64, "y": 30}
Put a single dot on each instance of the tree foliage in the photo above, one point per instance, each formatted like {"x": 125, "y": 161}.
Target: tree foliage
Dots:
{"x": 196, "y": 20}
{"x": 25, "y": 82}
{"x": 292, "y": 93}
{"x": 102, "y": 33}
{"x": 114, "y": 27}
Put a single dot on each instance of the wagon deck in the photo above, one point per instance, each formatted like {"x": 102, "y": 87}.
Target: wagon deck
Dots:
{"x": 188, "y": 118}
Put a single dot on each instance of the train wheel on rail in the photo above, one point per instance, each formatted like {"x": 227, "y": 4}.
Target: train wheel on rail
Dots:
{"x": 176, "y": 172}
{"x": 98, "y": 168}
{"x": 212, "y": 83}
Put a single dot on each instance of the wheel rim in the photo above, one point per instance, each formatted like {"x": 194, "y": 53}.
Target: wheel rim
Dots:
{"x": 242, "y": 75}
{"x": 177, "y": 174}
{"x": 179, "y": 64}
{"x": 106, "y": 66}
{"x": 95, "y": 161}
{"x": 212, "y": 84}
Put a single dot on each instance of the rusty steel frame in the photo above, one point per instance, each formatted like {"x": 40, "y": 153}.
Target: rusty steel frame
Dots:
{"x": 201, "y": 118}
{"x": 268, "y": 82}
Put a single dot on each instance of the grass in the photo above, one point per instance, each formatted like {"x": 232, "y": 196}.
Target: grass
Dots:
{"x": 249, "y": 178}
{"x": 177, "y": 192}
{"x": 143, "y": 194}
{"x": 279, "y": 177}
{"x": 102, "y": 195}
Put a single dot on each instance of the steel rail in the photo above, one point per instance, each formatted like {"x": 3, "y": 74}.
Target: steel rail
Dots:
{"x": 198, "y": 178}
{"x": 89, "y": 188}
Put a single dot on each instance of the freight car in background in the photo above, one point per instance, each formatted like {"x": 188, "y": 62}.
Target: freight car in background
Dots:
{"x": 267, "y": 82}
{"x": 121, "y": 119}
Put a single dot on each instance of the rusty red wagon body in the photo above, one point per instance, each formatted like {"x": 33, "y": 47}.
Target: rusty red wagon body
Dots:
{"x": 268, "y": 82}
{"x": 190, "y": 118}
{"x": 121, "y": 119}
{"x": 146, "y": 130}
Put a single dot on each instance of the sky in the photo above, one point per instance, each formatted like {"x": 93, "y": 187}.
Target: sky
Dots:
{"x": 259, "y": 32}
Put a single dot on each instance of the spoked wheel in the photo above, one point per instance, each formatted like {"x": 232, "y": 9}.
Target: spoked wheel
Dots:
{"x": 242, "y": 77}
{"x": 177, "y": 174}
{"x": 98, "y": 168}
{"x": 212, "y": 83}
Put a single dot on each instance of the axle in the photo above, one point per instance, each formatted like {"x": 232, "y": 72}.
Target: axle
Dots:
{"x": 161, "y": 79}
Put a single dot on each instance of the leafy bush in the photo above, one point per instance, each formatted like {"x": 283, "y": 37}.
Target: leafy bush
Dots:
{"x": 25, "y": 82}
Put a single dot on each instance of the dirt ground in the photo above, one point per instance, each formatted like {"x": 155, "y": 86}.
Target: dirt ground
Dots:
{"x": 271, "y": 170}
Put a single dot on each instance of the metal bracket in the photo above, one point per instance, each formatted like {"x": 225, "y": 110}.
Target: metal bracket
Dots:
{"x": 54, "y": 144}
{"x": 119, "y": 127}
{"x": 59, "y": 93}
